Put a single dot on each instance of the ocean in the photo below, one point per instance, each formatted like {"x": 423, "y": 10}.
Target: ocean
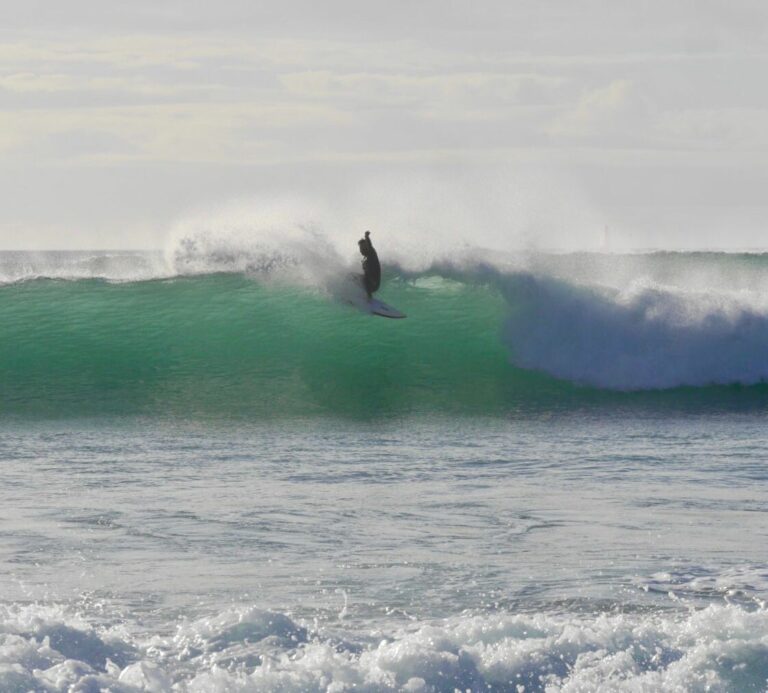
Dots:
{"x": 218, "y": 475}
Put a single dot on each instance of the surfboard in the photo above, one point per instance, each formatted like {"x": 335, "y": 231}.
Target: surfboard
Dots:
{"x": 376, "y": 307}
{"x": 351, "y": 292}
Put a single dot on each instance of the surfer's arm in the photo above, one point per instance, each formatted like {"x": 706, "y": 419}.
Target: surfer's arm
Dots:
{"x": 367, "y": 241}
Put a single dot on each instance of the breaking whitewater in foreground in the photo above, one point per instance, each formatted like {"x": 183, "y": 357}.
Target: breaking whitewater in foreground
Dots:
{"x": 717, "y": 649}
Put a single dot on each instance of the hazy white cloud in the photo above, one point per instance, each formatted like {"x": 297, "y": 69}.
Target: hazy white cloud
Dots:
{"x": 200, "y": 132}
{"x": 172, "y": 102}
{"x": 408, "y": 89}
{"x": 597, "y": 110}
{"x": 611, "y": 115}
{"x": 731, "y": 129}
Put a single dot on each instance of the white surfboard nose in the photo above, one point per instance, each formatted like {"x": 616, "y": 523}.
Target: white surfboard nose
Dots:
{"x": 377, "y": 307}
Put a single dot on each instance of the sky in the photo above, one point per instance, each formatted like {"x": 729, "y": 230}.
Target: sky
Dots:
{"x": 573, "y": 125}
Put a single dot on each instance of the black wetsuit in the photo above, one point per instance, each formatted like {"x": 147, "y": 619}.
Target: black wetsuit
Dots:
{"x": 371, "y": 266}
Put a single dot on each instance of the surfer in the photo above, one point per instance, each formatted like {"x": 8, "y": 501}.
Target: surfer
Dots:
{"x": 371, "y": 266}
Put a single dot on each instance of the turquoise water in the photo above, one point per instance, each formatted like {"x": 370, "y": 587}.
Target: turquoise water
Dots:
{"x": 479, "y": 341}
{"x": 237, "y": 481}
{"x": 226, "y": 345}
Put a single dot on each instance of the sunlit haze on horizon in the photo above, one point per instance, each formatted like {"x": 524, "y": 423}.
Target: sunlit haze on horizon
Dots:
{"x": 570, "y": 126}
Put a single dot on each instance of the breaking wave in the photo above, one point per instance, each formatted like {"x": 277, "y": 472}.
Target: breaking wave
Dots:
{"x": 227, "y": 328}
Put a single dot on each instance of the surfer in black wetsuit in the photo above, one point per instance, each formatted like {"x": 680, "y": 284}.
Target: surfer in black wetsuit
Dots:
{"x": 371, "y": 266}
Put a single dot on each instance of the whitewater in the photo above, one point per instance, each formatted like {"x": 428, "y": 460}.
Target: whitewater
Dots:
{"x": 218, "y": 475}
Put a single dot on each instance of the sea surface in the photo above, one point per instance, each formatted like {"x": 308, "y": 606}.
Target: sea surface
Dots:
{"x": 217, "y": 474}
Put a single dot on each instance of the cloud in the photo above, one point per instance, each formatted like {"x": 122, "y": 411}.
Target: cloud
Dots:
{"x": 459, "y": 87}
{"x": 733, "y": 129}
{"x": 607, "y": 109}
{"x": 158, "y": 132}
{"x": 232, "y": 101}
{"x": 615, "y": 97}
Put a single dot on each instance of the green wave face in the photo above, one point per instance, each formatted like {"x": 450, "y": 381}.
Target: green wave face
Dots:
{"x": 226, "y": 345}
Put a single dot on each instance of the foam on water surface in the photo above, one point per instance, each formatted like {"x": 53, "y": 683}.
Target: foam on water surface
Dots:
{"x": 718, "y": 648}
{"x": 385, "y": 558}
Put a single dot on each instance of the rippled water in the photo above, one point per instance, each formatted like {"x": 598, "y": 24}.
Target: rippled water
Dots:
{"x": 569, "y": 550}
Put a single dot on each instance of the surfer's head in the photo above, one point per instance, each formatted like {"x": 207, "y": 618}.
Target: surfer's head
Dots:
{"x": 363, "y": 247}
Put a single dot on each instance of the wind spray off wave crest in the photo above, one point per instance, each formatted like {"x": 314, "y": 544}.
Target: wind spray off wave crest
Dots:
{"x": 280, "y": 241}
{"x": 416, "y": 223}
